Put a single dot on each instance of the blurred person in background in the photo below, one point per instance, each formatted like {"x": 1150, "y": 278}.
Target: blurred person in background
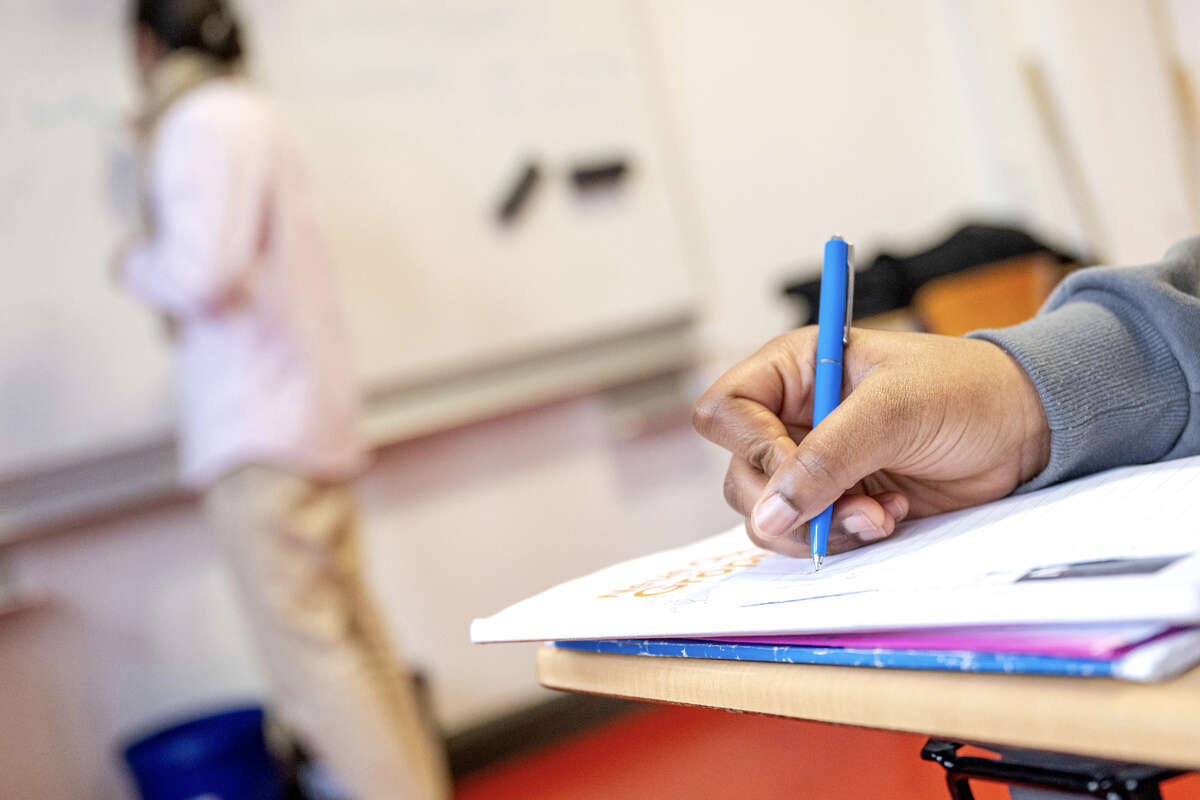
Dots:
{"x": 232, "y": 258}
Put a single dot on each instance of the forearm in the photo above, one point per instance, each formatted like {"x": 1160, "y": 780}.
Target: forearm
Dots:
{"x": 143, "y": 278}
{"x": 177, "y": 280}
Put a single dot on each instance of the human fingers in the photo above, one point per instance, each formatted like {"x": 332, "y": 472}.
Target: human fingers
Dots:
{"x": 856, "y": 516}
{"x": 744, "y": 410}
{"x": 858, "y": 519}
{"x": 859, "y": 437}
{"x": 744, "y": 484}
{"x": 894, "y": 503}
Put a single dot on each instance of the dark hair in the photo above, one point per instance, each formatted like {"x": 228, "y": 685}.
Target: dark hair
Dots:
{"x": 205, "y": 25}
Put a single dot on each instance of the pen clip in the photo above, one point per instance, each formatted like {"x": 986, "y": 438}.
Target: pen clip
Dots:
{"x": 849, "y": 291}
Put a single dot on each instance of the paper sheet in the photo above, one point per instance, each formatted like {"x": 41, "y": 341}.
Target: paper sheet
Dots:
{"x": 1021, "y": 560}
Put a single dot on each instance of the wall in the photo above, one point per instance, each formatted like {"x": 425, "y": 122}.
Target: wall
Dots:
{"x": 800, "y": 120}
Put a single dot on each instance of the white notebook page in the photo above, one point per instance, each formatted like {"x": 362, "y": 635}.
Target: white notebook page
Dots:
{"x": 962, "y": 568}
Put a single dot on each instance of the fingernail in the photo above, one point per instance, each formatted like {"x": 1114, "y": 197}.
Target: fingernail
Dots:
{"x": 775, "y": 516}
{"x": 893, "y": 507}
{"x": 860, "y": 525}
{"x": 872, "y": 535}
{"x": 857, "y": 523}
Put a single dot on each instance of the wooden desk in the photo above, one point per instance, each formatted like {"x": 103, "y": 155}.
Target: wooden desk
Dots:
{"x": 1154, "y": 724}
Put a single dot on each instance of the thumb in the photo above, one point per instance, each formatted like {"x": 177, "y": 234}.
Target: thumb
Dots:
{"x": 858, "y": 437}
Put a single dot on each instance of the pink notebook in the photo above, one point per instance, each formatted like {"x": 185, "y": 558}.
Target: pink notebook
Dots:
{"x": 1072, "y": 641}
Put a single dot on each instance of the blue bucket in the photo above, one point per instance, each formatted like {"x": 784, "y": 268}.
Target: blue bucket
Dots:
{"x": 223, "y": 755}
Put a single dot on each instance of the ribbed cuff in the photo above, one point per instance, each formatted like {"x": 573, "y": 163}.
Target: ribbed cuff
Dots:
{"x": 1110, "y": 385}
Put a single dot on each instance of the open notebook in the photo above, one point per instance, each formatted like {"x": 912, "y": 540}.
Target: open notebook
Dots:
{"x": 1119, "y": 546}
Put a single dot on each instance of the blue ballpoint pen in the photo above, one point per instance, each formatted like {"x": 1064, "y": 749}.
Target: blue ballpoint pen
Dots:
{"x": 833, "y": 333}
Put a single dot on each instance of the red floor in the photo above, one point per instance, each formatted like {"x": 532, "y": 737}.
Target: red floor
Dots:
{"x": 674, "y": 752}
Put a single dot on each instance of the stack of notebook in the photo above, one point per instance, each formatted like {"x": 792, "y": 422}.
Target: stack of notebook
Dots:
{"x": 1097, "y": 577}
{"x": 1131, "y": 652}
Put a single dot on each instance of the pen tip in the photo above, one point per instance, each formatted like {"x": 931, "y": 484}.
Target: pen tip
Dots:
{"x": 817, "y": 560}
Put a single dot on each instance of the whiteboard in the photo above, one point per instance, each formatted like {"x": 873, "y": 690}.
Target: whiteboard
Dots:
{"x": 413, "y": 117}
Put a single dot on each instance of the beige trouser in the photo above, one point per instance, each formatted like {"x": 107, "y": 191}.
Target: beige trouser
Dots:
{"x": 292, "y": 545}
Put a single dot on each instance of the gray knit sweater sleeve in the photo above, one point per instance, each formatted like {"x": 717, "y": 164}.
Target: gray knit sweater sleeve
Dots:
{"x": 1115, "y": 356}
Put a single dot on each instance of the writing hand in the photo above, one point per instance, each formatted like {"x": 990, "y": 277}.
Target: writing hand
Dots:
{"x": 927, "y": 424}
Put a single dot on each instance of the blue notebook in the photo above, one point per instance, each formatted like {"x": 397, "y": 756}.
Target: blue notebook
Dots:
{"x": 1157, "y": 660}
